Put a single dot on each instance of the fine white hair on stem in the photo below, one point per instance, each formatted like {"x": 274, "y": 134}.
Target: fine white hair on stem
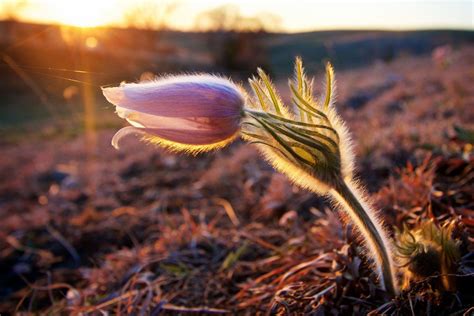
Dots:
{"x": 313, "y": 148}
{"x": 344, "y": 202}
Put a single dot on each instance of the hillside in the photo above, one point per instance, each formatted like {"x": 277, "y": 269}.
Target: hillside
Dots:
{"x": 88, "y": 229}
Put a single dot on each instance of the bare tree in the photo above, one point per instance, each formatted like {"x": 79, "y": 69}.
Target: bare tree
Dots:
{"x": 228, "y": 18}
{"x": 269, "y": 22}
{"x": 150, "y": 15}
{"x": 223, "y": 18}
{"x": 236, "y": 41}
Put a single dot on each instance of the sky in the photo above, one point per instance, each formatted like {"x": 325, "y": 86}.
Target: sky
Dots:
{"x": 296, "y": 15}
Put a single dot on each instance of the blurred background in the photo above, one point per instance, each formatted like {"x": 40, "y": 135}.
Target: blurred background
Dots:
{"x": 74, "y": 210}
{"x": 55, "y": 52}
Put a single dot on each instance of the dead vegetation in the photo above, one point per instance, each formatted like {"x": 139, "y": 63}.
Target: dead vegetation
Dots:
{"x": 142, "y": 231}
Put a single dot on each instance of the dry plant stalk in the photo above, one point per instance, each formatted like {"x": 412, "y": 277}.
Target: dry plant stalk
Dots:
{"x": 309, "y": 142}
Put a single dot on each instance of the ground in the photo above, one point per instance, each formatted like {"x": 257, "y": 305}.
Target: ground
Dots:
{"x": 86, "y": 228}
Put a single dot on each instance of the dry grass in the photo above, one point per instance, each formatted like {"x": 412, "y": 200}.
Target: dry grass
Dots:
{"x": 143, "y": 231}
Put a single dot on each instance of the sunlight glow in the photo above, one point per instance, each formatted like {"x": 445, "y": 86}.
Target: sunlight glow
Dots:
{"x": 83, "y": 13}
{"x": 91, "y": 42}
{"x": 301, "y": 15}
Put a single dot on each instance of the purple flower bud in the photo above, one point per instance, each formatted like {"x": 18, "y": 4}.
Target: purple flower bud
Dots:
{"x": 191, "y": 113}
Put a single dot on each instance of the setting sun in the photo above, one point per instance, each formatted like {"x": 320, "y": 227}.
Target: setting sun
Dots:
{"x": 84, "y": 13}
{"x": 88, "y": 13}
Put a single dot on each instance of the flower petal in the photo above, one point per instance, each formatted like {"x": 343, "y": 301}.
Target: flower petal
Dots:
{"x": 125, "y": 131}
{"x": 192, "y": 124}
{"x": 114, "y": 95}
{"x": 191, "y": 137}
{"x": 190, "y": 96}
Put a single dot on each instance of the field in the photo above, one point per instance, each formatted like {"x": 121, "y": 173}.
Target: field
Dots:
{"x": 87, "y": 229}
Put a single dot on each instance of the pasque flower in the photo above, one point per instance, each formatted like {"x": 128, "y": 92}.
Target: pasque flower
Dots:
{"x": 191, "y": 113}
{"x": 306, "y": 140}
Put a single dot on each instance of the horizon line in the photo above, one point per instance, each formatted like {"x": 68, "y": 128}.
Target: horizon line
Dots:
{"x": 302, "y": 31}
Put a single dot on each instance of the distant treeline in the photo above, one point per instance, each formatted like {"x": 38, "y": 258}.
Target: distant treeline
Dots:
{"x": 114, "y": 54}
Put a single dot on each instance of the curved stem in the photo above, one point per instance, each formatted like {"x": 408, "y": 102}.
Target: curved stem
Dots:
{"x": 376, "y": 239}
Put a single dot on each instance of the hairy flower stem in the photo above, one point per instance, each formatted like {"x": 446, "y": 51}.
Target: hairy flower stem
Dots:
{"x": 372, "y": 233}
